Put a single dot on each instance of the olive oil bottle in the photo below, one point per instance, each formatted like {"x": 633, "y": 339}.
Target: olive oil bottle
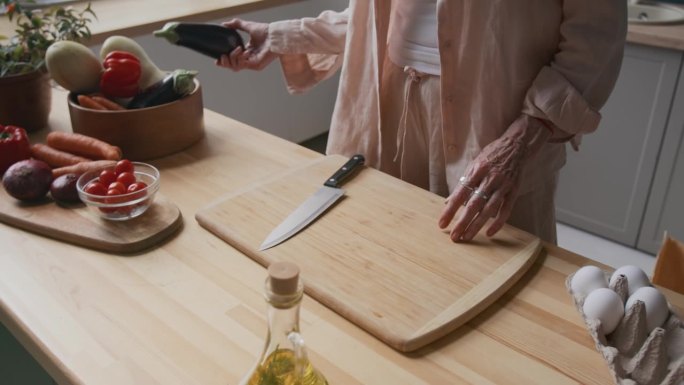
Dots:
{"x": 284, "y": 360}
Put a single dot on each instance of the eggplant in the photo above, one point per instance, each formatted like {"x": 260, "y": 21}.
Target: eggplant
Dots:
{"x": 209, "y": 39}
{"x": 173, "y": 87}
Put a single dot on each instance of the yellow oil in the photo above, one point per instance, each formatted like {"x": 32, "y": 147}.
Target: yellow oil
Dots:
{"x": 279, "y": 369}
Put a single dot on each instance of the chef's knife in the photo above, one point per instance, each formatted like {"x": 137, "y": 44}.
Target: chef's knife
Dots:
{"x": 314, "y": 206}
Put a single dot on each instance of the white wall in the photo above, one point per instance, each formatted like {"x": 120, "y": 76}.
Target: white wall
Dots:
{"x": 256, "y": 98}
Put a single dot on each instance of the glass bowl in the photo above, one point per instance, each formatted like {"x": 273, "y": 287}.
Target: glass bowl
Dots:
{"x": 125, "y": 206}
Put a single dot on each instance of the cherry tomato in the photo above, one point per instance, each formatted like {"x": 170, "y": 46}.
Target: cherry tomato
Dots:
{"x": 113, "y": 196}
{"x": 107, "y": 177}
{"x": 137, "y": 187}
{"x": 124, "y": 165}
{"x": 118, "y": 186}
{"x": 95, "y": 188}
{"x": 110, "y": 192}
{"x": 127, "y": 178}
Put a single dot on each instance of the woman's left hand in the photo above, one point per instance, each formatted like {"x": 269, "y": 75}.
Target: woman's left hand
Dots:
{"x": 489, "y": 187}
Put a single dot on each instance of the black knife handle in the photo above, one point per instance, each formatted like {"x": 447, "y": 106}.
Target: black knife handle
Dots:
{"x": 345, "y": 171}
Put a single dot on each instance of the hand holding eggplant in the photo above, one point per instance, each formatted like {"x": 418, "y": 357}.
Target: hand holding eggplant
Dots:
{"x": 208, "y": 39}
{"x": 256, "y": 55}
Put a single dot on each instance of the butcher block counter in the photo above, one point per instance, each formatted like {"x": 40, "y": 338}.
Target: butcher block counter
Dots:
{"x": 191, "y": 311}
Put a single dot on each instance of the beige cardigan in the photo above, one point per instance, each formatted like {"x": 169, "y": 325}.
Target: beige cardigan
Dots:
{"x": 553, "y": 59}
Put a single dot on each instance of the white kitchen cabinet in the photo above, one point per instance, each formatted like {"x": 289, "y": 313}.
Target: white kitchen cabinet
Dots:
{"x": 607, "y": 186}
{"x": 665, "y": 208}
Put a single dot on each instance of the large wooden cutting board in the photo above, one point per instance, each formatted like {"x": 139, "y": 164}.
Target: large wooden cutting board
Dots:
{"x": 377, "y": 257}
{"x": 78, "y": 225}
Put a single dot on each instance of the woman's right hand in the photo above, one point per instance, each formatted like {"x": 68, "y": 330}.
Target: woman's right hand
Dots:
{"x": 256, "y": 55}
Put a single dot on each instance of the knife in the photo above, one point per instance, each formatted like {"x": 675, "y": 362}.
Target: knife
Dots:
{"x": 314, "y": 206}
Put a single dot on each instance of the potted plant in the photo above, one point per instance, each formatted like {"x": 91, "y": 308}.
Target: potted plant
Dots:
{"x": 25, "y": 94}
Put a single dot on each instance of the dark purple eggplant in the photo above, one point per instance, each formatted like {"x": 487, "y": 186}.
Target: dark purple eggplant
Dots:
{"x": 209, "y": 39}
{"x": 173, "y": 87}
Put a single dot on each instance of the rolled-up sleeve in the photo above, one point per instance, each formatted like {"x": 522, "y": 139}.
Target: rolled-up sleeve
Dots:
{"x": 310, "y": 49}
{"x": 570, "y": 91}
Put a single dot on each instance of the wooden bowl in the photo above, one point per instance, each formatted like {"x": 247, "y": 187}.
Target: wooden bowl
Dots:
{"x": 144, "y": 133}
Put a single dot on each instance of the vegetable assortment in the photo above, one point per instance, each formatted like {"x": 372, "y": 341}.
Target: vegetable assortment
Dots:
{"x": 122, "y": 78}
{"x": 31, "y": 170}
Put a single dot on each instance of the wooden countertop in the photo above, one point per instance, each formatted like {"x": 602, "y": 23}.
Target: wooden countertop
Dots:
{"x": 136, "y": 17}
{"x": 191, "y": 311}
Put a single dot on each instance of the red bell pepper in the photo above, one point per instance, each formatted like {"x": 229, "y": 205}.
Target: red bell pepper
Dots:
{"x": 14, "y": 146}
{"x": 121, "y": 75}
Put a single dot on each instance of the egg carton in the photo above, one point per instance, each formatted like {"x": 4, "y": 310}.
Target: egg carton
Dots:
{"x": 634, "y": 356}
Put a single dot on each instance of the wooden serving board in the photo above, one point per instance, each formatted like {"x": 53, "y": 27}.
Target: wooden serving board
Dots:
{"x": 377, "y": 257}
{"x": 78, "y": 225}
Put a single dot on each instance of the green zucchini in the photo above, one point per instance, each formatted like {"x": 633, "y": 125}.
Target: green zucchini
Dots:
{"x": 209, "y": 39}
{"x": 173, "y": 87}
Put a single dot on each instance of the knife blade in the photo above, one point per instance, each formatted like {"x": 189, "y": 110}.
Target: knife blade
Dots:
{"x": 314, "y": 206}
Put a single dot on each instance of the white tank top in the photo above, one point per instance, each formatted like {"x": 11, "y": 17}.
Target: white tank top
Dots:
{"x": 413, "y": 40}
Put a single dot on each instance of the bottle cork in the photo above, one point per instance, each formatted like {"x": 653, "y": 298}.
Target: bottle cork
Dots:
{"x": 284, "y": 277}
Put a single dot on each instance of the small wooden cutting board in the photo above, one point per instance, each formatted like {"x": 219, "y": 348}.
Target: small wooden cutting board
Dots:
{"x": 78, "y": 225}
{"x": 377, "y": 257}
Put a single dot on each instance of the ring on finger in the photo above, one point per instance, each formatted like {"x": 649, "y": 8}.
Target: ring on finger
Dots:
{"x": 463, "y": 182}
{"x": 481, "y": 194}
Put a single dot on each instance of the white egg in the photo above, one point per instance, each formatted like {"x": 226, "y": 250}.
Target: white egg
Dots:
{"x": 587, "y": 279}
{"x": 655, "y": 304}
{"x": 636, "y": 278}
{"x": 606, "y": 306}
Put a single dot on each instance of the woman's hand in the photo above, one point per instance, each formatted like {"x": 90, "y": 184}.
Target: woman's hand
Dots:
{"x": 489, "y": 187}
{"x": 256, "y": 55}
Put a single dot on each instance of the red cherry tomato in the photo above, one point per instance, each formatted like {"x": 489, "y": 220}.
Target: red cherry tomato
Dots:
{"x": 95, "y": 188}
{"x": 113, "y": 197}
{"x": 137, "y": 186}
{"x": 118, "y": 186}
{"x": 124, "y": 165}
{"x": 127, "y": 178}
{"x": 107, "y": 177}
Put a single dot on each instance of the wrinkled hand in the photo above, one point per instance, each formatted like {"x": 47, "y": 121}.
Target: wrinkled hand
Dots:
{"x": 256, "y": 55}
{"x": 490, "y": 185}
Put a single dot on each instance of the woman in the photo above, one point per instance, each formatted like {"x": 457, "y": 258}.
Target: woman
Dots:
{"x": 471, "y": 99}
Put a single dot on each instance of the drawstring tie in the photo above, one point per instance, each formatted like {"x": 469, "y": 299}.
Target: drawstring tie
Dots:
{"x": 413, "y": 81}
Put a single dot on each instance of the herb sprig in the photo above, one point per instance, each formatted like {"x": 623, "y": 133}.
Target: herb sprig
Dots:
{"x": 36, "y": 30}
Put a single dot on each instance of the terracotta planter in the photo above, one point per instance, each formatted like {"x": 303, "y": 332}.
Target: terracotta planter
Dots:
{"x": 25, "y": 100}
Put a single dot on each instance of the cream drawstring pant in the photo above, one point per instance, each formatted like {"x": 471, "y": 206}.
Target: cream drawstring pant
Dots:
{"x": 413, "y": 148}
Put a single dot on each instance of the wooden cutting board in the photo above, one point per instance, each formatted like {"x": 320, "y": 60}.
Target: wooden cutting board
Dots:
{"x": 78, "y": 225}
{"x": 377, "y": 257}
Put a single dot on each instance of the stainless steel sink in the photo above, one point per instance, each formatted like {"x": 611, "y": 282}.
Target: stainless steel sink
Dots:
{"x": 654, "y": 13}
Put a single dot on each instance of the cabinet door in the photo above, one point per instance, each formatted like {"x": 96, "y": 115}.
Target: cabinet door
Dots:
{"x": 603, "y": 188}
{"x": 665, "y": 208}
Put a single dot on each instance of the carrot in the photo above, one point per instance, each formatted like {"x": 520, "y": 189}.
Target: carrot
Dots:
{"x": 106, "y": 103}
{"x": 54, "y": 157}
{"x": 88, "y": 102}
{"x": 83, "y": 145}
{"x": 80, "y": 168}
